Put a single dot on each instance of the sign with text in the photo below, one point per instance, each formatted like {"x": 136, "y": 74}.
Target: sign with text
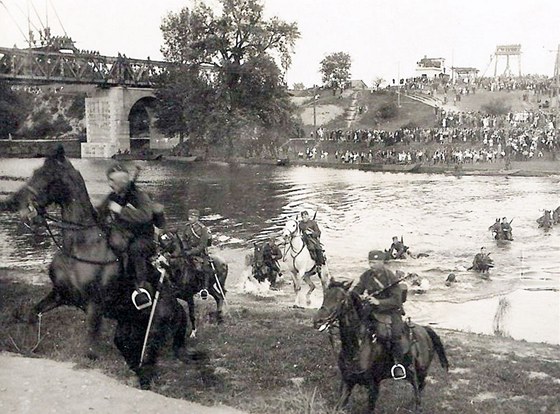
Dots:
{"x": 508, "y": 50}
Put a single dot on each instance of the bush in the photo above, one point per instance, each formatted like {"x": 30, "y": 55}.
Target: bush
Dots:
{"x": 496, "y": 107}
{"x": 387, "y": 111}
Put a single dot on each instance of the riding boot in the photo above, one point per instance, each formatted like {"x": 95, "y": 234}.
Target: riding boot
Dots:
{"x": 398, "y": 371}
{"x": 320, "y": 257}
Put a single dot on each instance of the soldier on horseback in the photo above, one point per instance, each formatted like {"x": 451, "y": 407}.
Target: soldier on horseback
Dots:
{"x": 196, "y": 239}
{"x": 383, "y": 299}
{"x": 398, "y": 250}
{"x": 311, "y": 235}
{"x": 129, "y": 213}
{"x": 271, "y": 254}
{"x": 506, "y": 228}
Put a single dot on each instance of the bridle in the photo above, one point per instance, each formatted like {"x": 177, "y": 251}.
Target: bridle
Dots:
{"x": 290, "y": 247}
{"x": 66, "y": 225}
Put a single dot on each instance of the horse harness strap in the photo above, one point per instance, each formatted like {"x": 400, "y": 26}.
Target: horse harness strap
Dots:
{"x": 72, "y": 256}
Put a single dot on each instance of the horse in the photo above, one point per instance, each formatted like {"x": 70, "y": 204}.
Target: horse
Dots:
{"x": 497, "y": 231}
{"x": 556, "y": 216}
{"x": 187, "y": 282}
{"x": 545, "y": 221}
{"x": 344, "y": 306}
{"x": 299, "y": 260}
{"x": 87, "y": 274}
{"x": 482, "y": 263}
{"x": 385, "y": 256}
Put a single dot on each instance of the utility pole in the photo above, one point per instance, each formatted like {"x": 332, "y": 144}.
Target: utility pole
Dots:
{"x": 399, "y": 84}
{"x": 314, "y": 110}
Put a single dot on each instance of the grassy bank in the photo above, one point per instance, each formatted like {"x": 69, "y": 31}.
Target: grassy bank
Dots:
{"x": 266, "y": 358}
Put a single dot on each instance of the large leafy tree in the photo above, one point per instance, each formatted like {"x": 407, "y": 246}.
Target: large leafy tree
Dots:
{"x": 233, "y": 81}
{"x": 14, "y": 108}
{"x": 335, "y": 69}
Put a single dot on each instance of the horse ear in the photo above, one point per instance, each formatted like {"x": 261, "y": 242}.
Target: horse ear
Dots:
{"x": 59, "y": 154}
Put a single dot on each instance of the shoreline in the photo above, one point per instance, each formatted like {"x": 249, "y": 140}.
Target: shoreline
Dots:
{"x": 533, "y": 168}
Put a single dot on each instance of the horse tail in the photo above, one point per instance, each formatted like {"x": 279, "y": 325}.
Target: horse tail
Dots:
{"x": 438, "y": 346}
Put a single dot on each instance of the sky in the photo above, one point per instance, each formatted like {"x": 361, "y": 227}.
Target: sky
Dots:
{"x": 385, "y": 38}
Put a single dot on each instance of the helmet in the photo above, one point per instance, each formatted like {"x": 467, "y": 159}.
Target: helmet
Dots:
{"x": 193, "y": 212}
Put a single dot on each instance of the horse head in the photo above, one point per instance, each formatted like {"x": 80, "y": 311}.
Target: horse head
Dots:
{"x": 55, "y": 182}
{"x": 335, "y": 299}
{"x": 291, "y": 228}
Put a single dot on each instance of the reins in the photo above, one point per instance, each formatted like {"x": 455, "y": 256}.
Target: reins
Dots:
{"x": 73, "y": 256}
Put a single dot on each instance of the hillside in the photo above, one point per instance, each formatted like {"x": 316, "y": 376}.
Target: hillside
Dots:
{"x": 361, "y": 109}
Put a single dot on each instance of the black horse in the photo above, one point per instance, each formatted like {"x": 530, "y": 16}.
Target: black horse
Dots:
{"x": 86, "y": 273}
{"x": 188, "y": 282}
{"x": 346, "y": 307}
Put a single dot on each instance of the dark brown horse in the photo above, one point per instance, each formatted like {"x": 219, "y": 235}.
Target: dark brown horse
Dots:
{"x": 339, "y": 304}
{"x": 86, "y": 273}
{"x": 188, "y": 282}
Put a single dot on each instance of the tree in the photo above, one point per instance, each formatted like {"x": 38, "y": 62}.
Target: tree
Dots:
{"x": 335, "y": 69}
{"x": 230, "y": 61}
{"x": 377, "y": 81}
{"x": 14, "y": 108}
{"x": 298, "y": 86}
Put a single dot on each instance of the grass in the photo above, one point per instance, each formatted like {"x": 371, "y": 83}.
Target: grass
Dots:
{"x": 266, "y": 358}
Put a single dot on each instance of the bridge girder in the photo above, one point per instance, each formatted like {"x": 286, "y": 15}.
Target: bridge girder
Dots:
{"x": 37, "y": 66}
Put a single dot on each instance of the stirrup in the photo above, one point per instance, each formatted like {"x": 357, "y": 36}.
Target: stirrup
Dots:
{"x": 394, "y": 368}
{"x": 204, "y": 294}
{"x": 144, "y": 298}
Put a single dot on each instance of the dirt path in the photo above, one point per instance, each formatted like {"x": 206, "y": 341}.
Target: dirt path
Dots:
{"x": 31, "y": 385}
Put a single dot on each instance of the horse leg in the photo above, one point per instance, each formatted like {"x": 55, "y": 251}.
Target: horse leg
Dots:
{"x": 345, "y": 390}
{"x": 296, "y": 281}
{"x": 415, "y": 384}
{"x": 48, "y": 303}
{"x": 307, "y": 279}
{"x": 180, "y": 327}
{"x": 93, "y": 323}
{"x": 373, "y": 393}
{"x": 192, "y": 315}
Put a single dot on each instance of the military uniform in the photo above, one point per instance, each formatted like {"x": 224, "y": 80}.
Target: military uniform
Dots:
{"x": 271, "y": 254}
{"x": 311, "y": 236}
{"x": 195, "y": 239}
{"x": 387, "y": 314}
{"x": 131, "y": 230}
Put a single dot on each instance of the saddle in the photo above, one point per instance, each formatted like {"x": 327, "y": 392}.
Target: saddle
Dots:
{"x": 382, "y": 330}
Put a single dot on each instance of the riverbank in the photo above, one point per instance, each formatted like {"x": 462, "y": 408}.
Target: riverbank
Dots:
{"x": 258, "y": 364}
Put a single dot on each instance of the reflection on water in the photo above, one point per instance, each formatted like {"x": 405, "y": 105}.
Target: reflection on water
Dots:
{"x": 440, "y": 215}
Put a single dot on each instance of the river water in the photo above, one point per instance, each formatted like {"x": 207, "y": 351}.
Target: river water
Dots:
{"x": 445, "y": 216}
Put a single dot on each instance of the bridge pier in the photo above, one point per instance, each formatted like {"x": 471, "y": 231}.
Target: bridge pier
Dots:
{"x": 108, "y": 111}
{"x": 106, "y": 123}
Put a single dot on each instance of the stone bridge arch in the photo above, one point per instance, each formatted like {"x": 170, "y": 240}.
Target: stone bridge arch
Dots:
{"x": 121, "y": 118}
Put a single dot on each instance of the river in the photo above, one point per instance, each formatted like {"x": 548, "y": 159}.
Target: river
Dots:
{"x": 444, "y": 216}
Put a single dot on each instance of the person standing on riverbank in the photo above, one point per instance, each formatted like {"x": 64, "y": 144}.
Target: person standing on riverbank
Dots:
{"x": 196, "y": 239}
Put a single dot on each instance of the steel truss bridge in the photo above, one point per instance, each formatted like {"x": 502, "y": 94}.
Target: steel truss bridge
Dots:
{"x": 43, "y": 66}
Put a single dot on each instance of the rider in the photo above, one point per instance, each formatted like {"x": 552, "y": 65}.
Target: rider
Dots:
{"x": 399, "y": 248}
{"x": 506, "y": 228}
{"x": 271, "y": 254}
{"x": 196, "y": 248}
{"x": 311, "y": 235}
{"x": 383, "y": 297}
{"x": 480, "y": 258}
{"x": 132, "y": 227}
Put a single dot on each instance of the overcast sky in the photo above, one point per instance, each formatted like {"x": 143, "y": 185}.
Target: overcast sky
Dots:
{"x": 384, "y": 37}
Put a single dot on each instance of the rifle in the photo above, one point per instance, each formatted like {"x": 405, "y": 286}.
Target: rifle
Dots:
{"x": 396, "y": 282}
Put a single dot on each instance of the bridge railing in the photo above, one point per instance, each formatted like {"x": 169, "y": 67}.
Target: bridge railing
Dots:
{"x": 27, "y": 65}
